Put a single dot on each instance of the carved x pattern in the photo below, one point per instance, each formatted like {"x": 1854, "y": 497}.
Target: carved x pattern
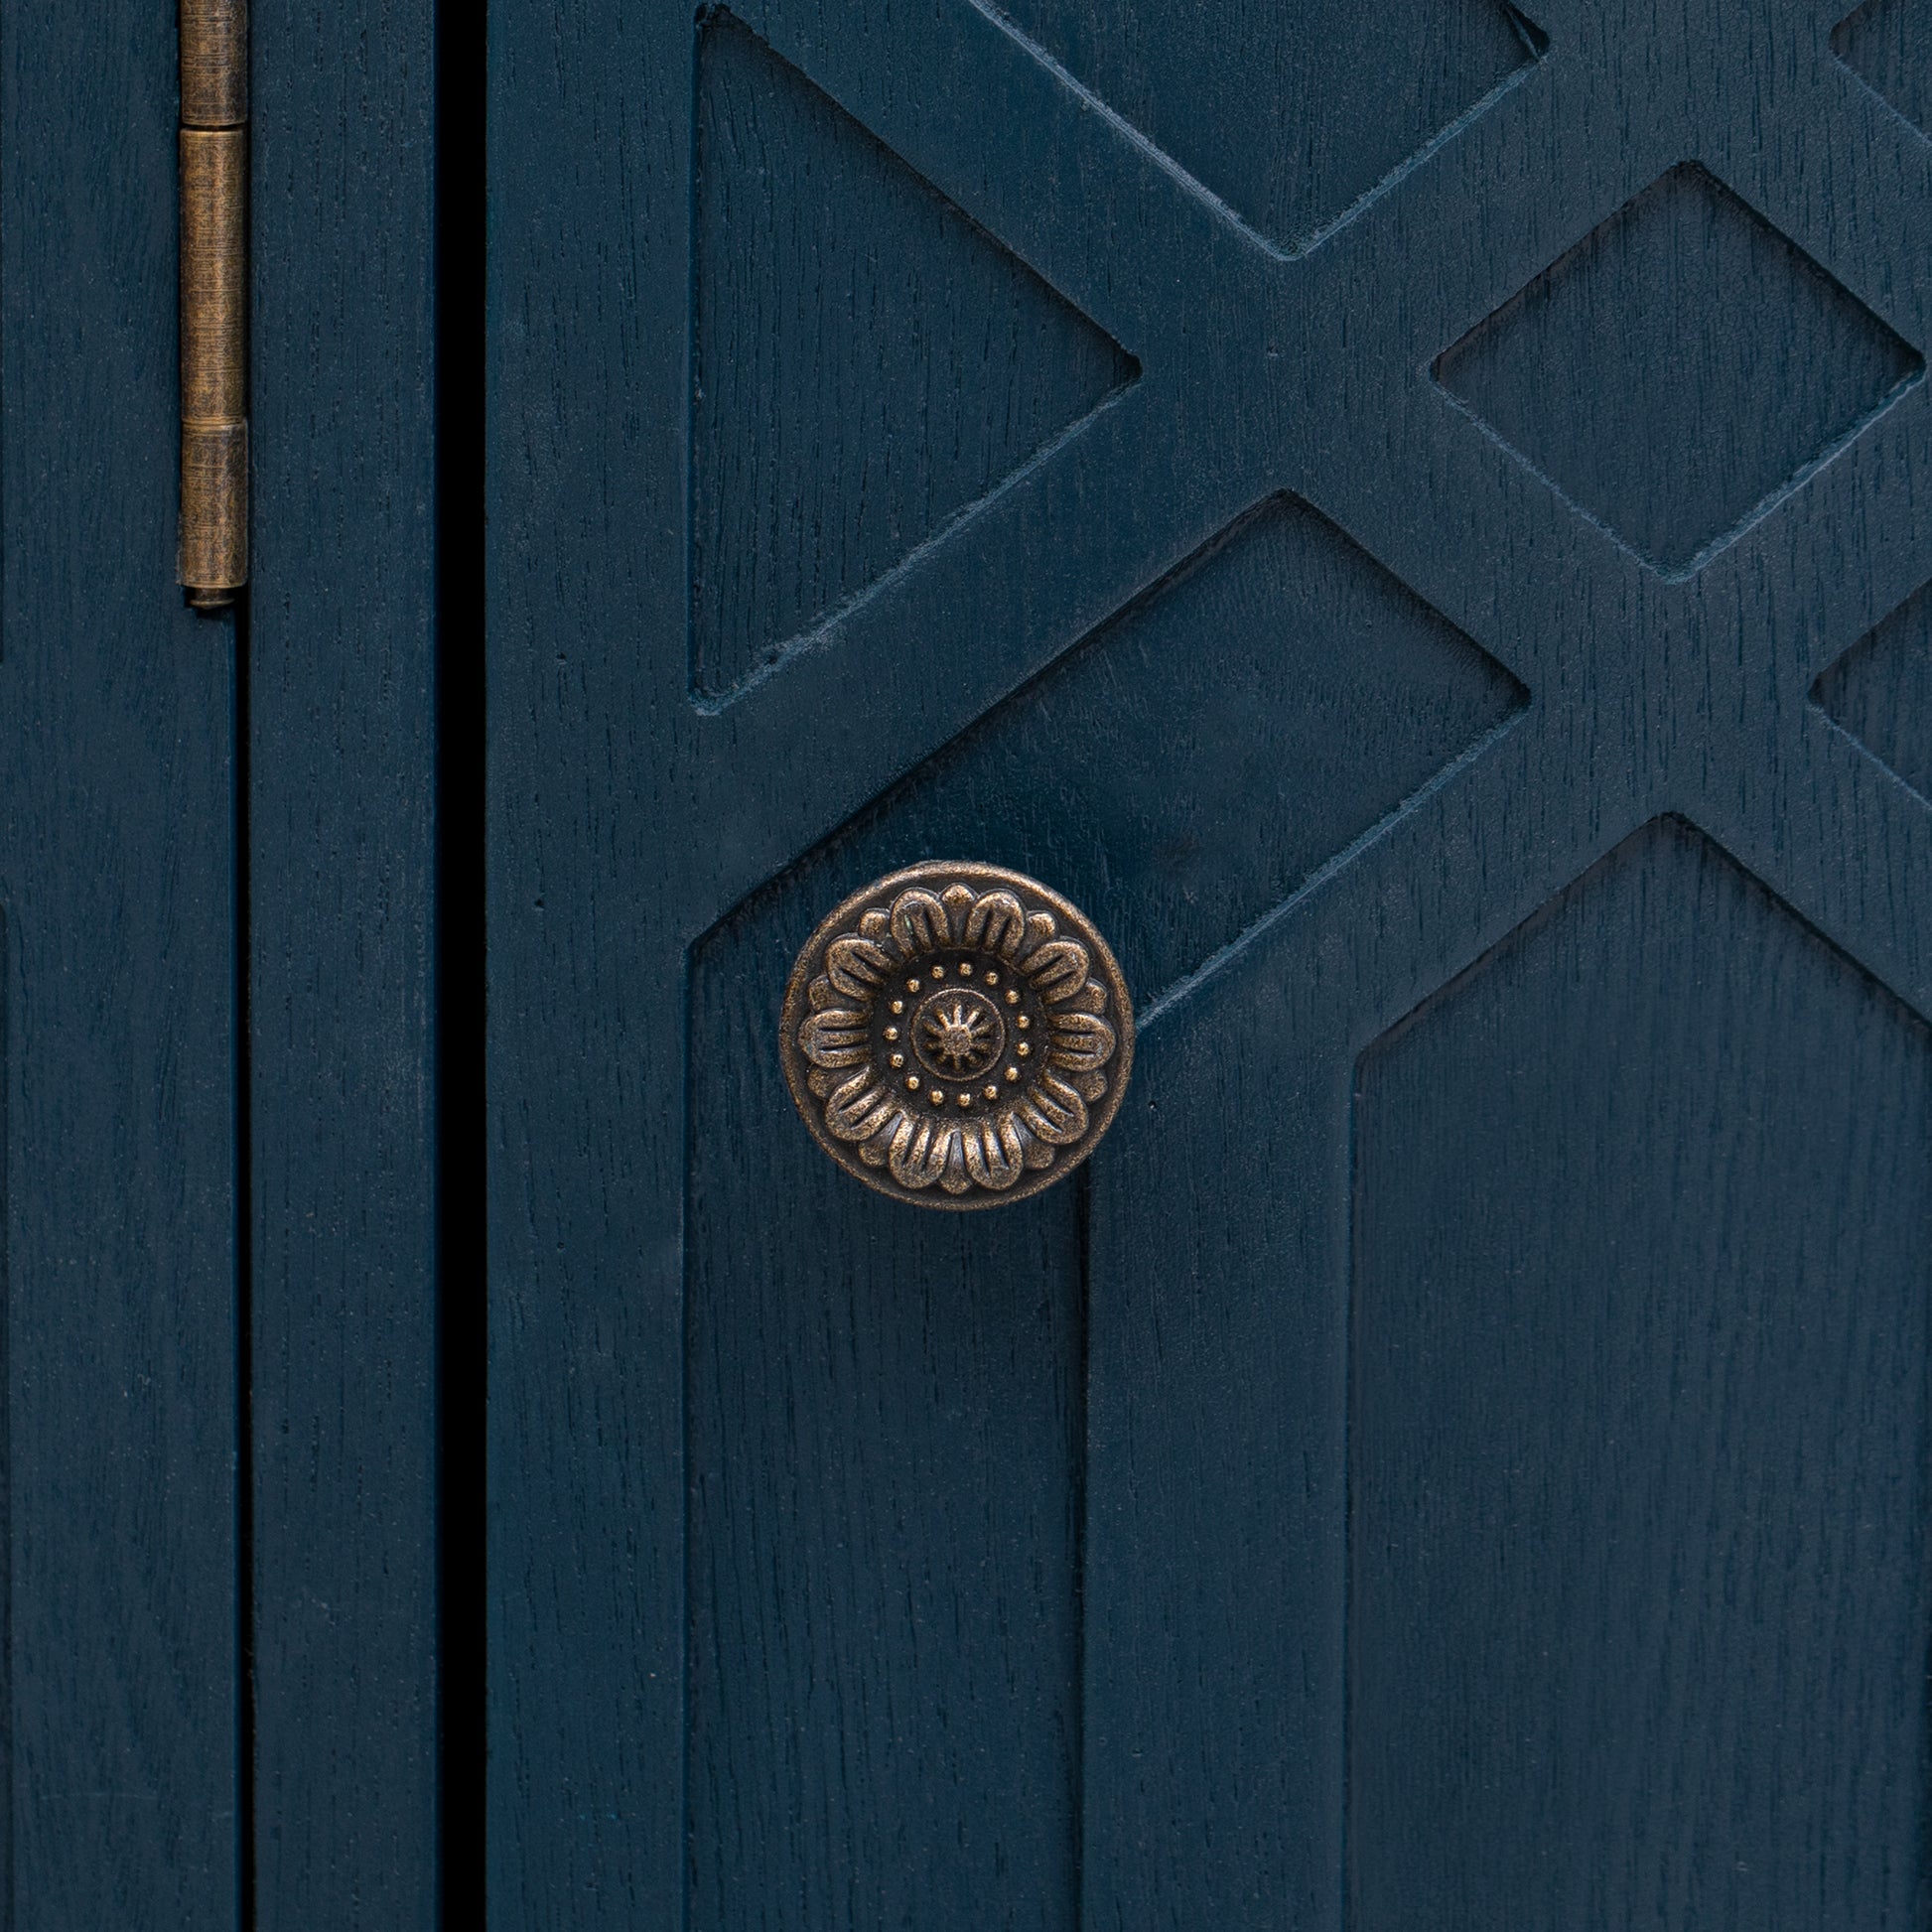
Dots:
{"x": 1259, "y": 366}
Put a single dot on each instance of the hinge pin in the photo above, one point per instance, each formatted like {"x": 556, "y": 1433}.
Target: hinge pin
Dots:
{"x": 213, "y": 554}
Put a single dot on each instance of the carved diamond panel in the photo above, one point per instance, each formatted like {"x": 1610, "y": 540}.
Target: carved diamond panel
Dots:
{"x": 868, "y": 362}
{"x": 1679, "y": 370}
{"x": 1288, "y": 115}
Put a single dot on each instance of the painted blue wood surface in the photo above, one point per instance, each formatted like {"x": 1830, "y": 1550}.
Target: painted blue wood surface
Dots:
{"x": 1462, "y": 641}
{"x": 122, "y": 1677}
{"x": 1639, "y": 1406}
{"x": 341, "y": 721}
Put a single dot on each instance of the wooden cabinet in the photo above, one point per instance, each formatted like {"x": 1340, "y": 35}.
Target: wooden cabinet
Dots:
{"x": 1408, "y": 530}
{"x": 218, "y": 1692}
{"x": 1415, "y": 521}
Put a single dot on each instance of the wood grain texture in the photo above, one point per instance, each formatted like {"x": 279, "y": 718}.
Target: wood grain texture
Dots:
{"x": 117, "y": 876}
{"x": 341, "y": 717}
{"x": 590, "y": 261}
{"x": 886, "y": 1432}
{"x": 1641, "y": 1399}
{"x": 1286, "y": 567}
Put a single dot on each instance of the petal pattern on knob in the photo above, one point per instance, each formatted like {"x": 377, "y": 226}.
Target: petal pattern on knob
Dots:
{"x": 1054, "y": 1112}
{"x": 997, "y": 923}
{"x": 855, "y": 966}
{"x": 1057, "y": 968}
{"x": 957, "y": 1035}
{"x": 994, "y": 1157}
{"x": 857, "y": 1110}
{"x": 919, "y": 922}
{"x": 1082, "y": 1042}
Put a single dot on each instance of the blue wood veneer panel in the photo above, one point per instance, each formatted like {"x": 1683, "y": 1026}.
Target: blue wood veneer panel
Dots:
{"x": 341, "y": 720}
{"x": 121, "y": 1702}
{"x": 1639, "y": 1421}
{"x": 886, "y": 1413}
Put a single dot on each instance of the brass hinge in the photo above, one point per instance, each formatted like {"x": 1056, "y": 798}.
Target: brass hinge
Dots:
{"x": 213, "y": 562}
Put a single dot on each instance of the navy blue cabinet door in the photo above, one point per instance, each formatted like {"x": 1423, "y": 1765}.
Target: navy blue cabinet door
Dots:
{"x": 217, "y": 1694}
{"x": 121, "y": 1641}
{"x": 1419, "y": 519}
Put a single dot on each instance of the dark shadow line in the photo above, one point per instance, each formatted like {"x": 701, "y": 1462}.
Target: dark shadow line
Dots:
{"x": 1078, "y": 1431}
{"x": 457, "y": 972}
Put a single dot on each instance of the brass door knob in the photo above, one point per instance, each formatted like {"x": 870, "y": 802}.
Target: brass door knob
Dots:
{"x": 957, "y": 1035}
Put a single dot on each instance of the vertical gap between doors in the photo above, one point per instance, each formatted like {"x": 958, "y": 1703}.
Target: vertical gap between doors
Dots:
{"x": 1083, "y": 1373}
{"x": 457, "y": 1022}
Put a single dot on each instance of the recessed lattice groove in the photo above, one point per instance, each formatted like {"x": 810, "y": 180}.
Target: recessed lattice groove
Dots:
{"x": 1880, "y": 691}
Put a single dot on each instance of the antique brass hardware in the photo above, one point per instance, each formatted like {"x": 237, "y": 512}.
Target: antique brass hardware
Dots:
{"x": 957, "y": 1035}
{"x": 213, "y": 559}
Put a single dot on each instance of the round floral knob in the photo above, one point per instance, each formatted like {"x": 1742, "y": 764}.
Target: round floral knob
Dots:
{"x": 957, "y": 1035}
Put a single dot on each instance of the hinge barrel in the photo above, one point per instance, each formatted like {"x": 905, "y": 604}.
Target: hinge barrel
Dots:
{"x": 213, "y": 555}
